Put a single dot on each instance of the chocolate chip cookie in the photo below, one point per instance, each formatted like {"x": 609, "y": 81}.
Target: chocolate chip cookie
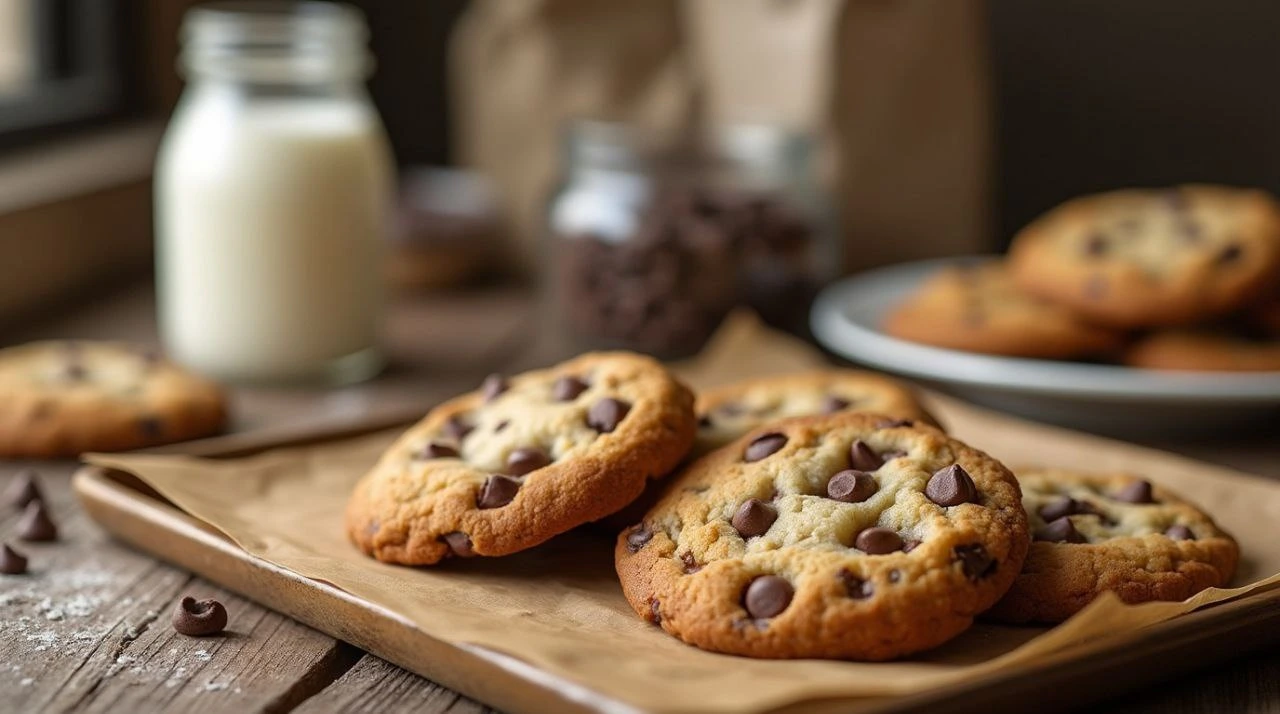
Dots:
{"x": 1110, "y": 532}
{"x": 977, "y": 308}
{"x": 849, "y": 535}
{"x": 728, "y": 412}
{"x": 1249, "y": 344}
{"x": 59, "y": 399}
{"x": 1152, "y": 258}
{"x": 523, "y": 459}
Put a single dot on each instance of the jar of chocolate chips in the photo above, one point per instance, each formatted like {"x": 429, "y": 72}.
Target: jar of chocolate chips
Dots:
{"x": 654, "y": 241}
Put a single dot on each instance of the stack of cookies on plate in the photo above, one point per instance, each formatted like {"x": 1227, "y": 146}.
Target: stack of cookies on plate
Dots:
{"x": 1186, "y": 278}
{"x": 823, "y": 514}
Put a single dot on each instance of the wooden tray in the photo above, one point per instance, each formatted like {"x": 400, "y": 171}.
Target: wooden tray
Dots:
{"x": 130, "y": 510}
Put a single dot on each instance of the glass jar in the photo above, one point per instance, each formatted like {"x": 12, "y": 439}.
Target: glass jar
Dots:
{"x": 274, "y": 193}
{"x": 654, "y": 241}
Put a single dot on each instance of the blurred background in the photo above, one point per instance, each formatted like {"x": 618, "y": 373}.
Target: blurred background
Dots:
{"x": 927, "y": 128}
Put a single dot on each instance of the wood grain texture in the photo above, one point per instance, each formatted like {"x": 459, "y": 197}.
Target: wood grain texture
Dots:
{"x": 375, "y": 685}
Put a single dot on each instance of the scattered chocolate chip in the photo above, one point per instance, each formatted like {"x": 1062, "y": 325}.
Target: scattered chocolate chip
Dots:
{"x": 638, "y": 538}
{"x": 497, "y": 428}
{"x": 655, "y": 615}
{"x": 459, "y": 544}
{"x": 832, "y": 404}
{"x": 497, "y": 491}
{"x": 763, "y": 446}
{"x": 690, "y": 563}
{"x": 974, "y": 560}
{"x": 1095, "y": 245}
{"x": 704, "y": 422}
{"x": 894, "y": 423}
{"x": 1135, "y": 492}
{"x": 854, "y": 586}
{"x": 1095, "y": 287}
{"x": 1180, "y": 532}
{"x": 1061, "y": 530}
{"x": 753, "y": 518}
{"x": 1230, "y": 254}
{"x": 567, "y": 388}
{"x": 11, "y": 561}
{"x": 605, "y": 415}
{"x": 457, "y": 428}
{"x": 23, "y": 489}
{"x": 493, "y": 387}
{"x": 36, "y": 525}
{"x": 767, "y": 596}
{"x": 951, "y": 486}
{"x": 436, "y": 450}
{"x": 863, "y": 457}
{"x": 878, "y": 541}
{"x": 199, "y": 618}
{"x": 852, "y": 486}
{"x": 526, "y": 459}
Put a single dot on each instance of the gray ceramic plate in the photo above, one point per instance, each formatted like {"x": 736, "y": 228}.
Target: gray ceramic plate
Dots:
{"x": 1105, "y": 398}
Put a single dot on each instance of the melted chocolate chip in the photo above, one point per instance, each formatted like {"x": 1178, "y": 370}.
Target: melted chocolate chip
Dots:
{"x": 655, "y": 615}
{"x": 951, "y": 486}
{"x": 497, "y": 491}
{"x": 36, "y": 525}
{"x": 1061, "y": 530}
{"x": 832, "y": 404}
{"x": 457, "y": 428}
{"x": 767, "y": 596}
{"x": 974, "y": 560}
{"x": 526, "y": 459}
{"x": 199, "y": 618}
{"x": 11, "y": 561}
{"x": 852, "y": 486}
{"x": 436, "y": 450}
{"x": 1095, "y": 245}
{"x": 854, "y": 586}
{"x": 638, "y": 538}
{"x": 753, "y": 518}
{"x": 1135, "y": 492}
{"x": 763, "y": 446}
{"x": 863, "y": 457}
{"x": 567, "y": 388}
{"x": 1230, "y": 254}
{"x": 704, "y": 422}
{"x": 459, "y": 544}
{"x": 690, "y": 563}
{"x": 1180, "y": 532}
{"x": 493, "y": 387}
{"x": 878, "y": 541}
{"x": 605, "y": 415}
{"x": 23, "y": 489}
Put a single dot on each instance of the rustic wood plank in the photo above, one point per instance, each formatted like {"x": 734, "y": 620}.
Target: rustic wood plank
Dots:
{"x": 88, "y": 630}
{"x": 374, "y": 685}
{"x": 1249, "y": 686}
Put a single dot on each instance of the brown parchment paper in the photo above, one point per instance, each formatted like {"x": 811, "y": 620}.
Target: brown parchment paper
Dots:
{"x": 559, "y": 608}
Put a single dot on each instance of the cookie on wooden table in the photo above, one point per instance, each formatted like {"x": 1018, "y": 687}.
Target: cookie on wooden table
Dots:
{"x": 1110, "y": 532}
{"x": 849, "y": 535}
{"x": 977, "y": 308}
{"x": 1152, "y": 258}
{"x": 62, "y": 398}
{"x": 523, "y": 459}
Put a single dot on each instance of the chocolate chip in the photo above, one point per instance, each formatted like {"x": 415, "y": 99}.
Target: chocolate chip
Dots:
{"x": 863, "y": 457}
{"x": 753, "y": 518}
{"x": 526, "y": 459}
{"x": 878, "y": 541}
{"x": 1135, "y": 492}
{"x": 436, "y": 450}
{"x": 852, "y": 486}
{"x": 974, "y": 560}
{"x": 497, "y": 491}
{"x": 199, "y": 618}
{"x": 767, "y": 596}
{"x": 36, "y": 525}
{"x": 655, "y": 615}
{"x": 497, "y": 428}
{"x": 704, "y": 422}
{"x": 1230, "y": 254}
{"x": 951, "y": 486}
{"x": 763, "y": 446}
{"x": 457, "y": 428}
{"x": 1095, "y": 245}
{"x": 832, "y": 404}
{"x": 1054, "y": 510}
{"x": 567, "y": 388}
{"x": 11, "y": 561}
{"x": 1061, "y": 530}
{"x": 493, "y": 387}
{"x": 459, "y": 544}
{"x": 1180, "y": 532}
{"x": 690, "y": 563}
{"x": 893, "y": 423}
{"x": 151, "y": 427}
{"x": 854, "y": 586}
{"x": 605, "y": 414}
{"x": 638, "y": 538}
{"x": 23, "y": 489}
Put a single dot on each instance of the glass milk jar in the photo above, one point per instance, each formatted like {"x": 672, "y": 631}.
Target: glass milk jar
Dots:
{"x": 274, "y": 186}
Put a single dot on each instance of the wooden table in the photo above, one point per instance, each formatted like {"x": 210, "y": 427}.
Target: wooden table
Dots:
{"x": 89, "y": 629}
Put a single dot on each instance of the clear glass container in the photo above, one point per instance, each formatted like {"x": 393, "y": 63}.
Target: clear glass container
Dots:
{"x": 654, "y": 240}
{"x": 274, "y": 197}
